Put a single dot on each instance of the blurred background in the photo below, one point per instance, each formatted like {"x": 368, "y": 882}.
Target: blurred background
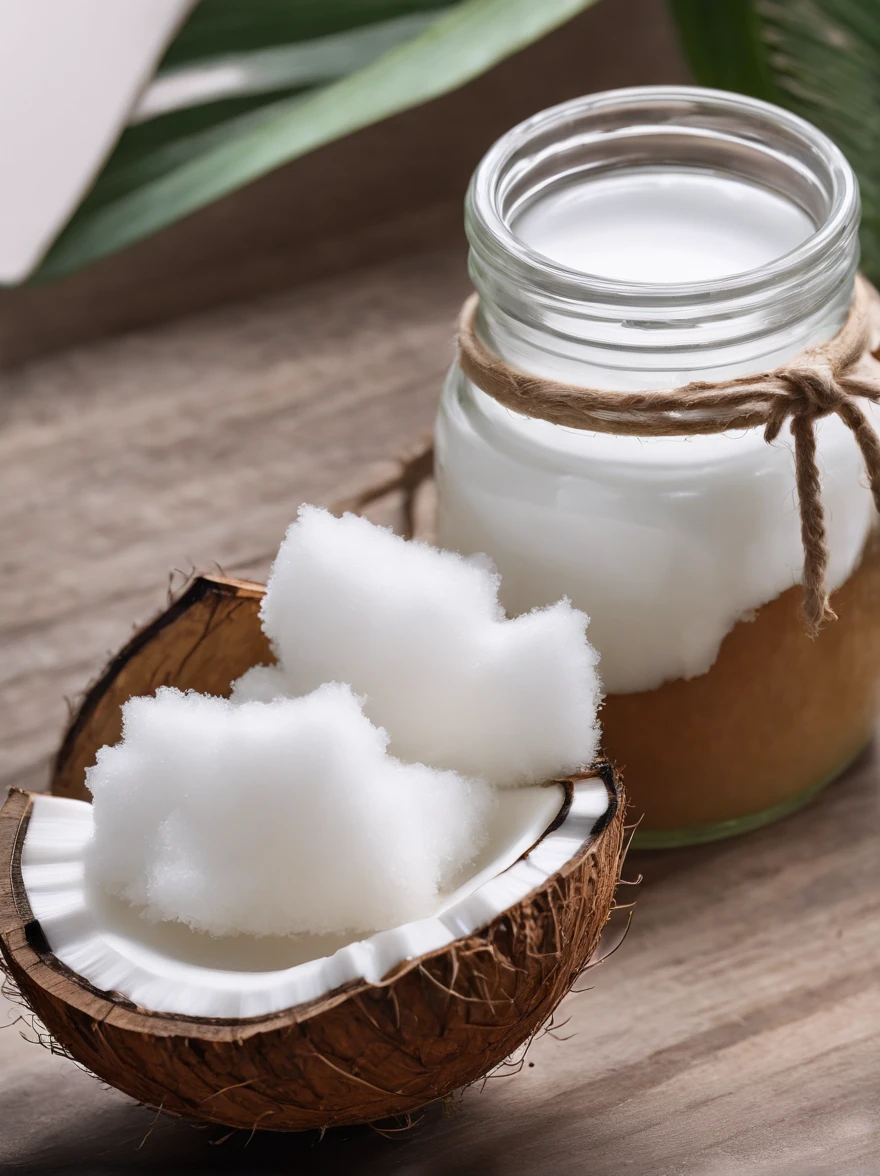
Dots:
{"x": 163, "y": 155}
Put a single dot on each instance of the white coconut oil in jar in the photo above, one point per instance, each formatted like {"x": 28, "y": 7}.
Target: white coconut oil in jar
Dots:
{"x": 643, "y": 239}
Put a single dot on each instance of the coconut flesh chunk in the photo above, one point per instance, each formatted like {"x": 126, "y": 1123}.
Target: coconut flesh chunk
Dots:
{"x": 420, "y": 633}
{"x": 275, "y": 818}
{"x": 307, "y": 1034}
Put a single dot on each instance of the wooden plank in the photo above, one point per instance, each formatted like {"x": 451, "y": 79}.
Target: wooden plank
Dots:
{"x": 191, "y": 446}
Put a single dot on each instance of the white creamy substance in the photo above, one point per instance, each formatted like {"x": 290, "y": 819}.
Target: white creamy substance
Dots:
{"x": 666, "y": 543}
{"x": 663, "y": 226}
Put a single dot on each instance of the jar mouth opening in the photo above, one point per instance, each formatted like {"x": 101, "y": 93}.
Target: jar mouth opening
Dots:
{"x": 649, "y": 127}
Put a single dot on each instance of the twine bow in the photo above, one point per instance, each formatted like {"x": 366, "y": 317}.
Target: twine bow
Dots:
{"x": 818, "y": 383}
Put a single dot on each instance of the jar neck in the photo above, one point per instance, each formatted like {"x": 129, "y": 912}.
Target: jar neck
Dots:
{"x": 636, "y": 354}
{"x": 552, "y": 320}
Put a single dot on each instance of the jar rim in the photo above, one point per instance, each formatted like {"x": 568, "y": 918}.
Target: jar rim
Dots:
{"x": 496, "y": 249}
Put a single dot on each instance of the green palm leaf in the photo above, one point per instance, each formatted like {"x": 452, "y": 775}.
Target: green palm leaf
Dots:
{"x": 221, "y": 27}
{"x": 172, "y": 165}
{"x": 819, "y": 58}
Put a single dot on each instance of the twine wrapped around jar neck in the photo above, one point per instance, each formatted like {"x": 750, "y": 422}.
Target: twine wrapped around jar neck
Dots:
{"x": 818, "y": 382}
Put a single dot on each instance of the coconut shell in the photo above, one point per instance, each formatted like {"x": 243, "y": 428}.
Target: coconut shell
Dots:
{"x": 203, "y": 641}
{"x": 361, "y": 1053}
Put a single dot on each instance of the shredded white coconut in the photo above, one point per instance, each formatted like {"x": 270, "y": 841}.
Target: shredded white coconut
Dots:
{"x": 275, "y": 818}
{"x": 420, "y": 634}
{"x": 347, "y": 787}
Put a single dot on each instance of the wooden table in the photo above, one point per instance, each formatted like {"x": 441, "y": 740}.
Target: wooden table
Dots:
{"x": 738, "y": 1028}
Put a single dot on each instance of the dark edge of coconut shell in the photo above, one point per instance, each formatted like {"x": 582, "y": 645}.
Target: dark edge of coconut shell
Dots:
{"x": 361, "y": 1053}
{"x": 216, "y": 601}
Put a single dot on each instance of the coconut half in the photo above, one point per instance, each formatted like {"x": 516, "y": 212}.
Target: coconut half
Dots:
{"x": 300, "y": 1032}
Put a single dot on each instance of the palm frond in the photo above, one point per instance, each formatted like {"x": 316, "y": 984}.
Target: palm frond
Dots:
{"x": 819, "y": 58}
{"x": 187, "y": 156}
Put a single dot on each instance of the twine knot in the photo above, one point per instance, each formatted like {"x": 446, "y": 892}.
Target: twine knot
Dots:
{"x": 808, "y": 392}
{"x": 822, "y": 382}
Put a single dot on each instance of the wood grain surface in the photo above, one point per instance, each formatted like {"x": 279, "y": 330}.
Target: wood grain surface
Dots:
{"x": 737, "y": 1030}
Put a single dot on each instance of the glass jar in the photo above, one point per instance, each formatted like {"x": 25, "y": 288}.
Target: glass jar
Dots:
{"x": 642, "y": 239}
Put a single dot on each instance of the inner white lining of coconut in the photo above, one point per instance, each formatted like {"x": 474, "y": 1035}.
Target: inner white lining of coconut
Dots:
{"x": 166, "y": 967}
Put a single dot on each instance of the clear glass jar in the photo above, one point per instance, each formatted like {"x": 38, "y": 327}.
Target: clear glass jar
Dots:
{"x": 684, "y": 551}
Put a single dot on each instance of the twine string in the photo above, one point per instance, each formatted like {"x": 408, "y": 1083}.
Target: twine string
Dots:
{"x": 821, "y": 382}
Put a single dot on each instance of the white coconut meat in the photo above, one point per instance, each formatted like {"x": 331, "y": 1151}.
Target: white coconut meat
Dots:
{"x": 168, "y": 967}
